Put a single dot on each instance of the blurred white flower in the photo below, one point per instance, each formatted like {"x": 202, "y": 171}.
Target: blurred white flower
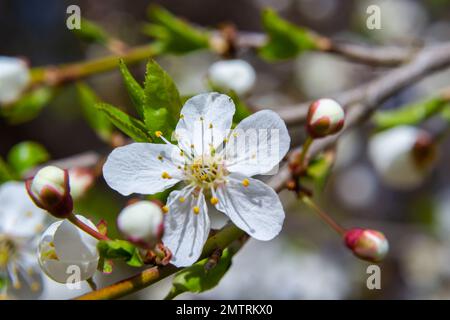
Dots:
{"x": 20, "y": 222}
{"x": 356, "y": 186}
{"x": 400, "y": 19}
{"x": 207, "y": 168}
{"x": 65, "y": 250}
{"x": 141, "y": 223}
{"x": 14, "y": 77}
{"x": 237, "y": 75}
{"x": 392, "y": 155}
{"x": 80, "y": 180}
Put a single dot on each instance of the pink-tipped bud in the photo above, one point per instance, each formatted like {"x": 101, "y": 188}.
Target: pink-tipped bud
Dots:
{"x": 141, "y": 223}
{"x": 325, "y": 117}
{"x": 366, "y": 244}
{"x": 49, "y": 189}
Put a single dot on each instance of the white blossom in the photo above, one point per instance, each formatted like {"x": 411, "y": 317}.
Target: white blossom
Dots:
{"x": 212, "y": 162}
{"x": 14, "y": 77}
{"x": 236, "y": 75}
{"x": 20, "y": 222}
{"x": 391, "y": 153}
{"x": 80, "y": 180}
{"x": 65, "y": 250}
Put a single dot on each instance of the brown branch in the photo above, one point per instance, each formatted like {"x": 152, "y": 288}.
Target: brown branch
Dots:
{"x": 428, "y": 60}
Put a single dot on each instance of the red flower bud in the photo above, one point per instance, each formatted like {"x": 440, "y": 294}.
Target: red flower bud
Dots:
{"x": 366, "y": 244}
{"x": 49, "y": 189}
{"x": 325, "y": 117}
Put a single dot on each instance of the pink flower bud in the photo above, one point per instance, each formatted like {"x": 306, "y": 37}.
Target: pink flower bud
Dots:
{"x": 49, "y": 189}
{"x": 366, "y": 244}
{"x": 325, "y": 117}
{"x": 141, "y": 223}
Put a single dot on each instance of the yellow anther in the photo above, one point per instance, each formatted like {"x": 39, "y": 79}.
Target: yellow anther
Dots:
{"x": 182, "y": 199}
{"x": 192, "y": 146}
{"x": 160, "y": 158}
{"x": 166, "y": 175}
{"x": 165, "y": 209}
{"x": 35, "y": 286}
{"x": 210, "y": 126}
{"x": 158, "y": 133}
{"x": 245, "y": 182}
{"x": 196, "y": 210}
{"x": 181, "y": 116}
{"x": 214, "y": 201}
{"x": 181, "y": 153}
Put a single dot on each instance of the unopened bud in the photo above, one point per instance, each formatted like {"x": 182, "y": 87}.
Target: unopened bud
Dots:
{"x": 402, "y": 156}
{"x": 236, "y": 75}
{"x": 14, "y": 77}
{"x": 325, "y": 117}
{"x": 80, "y": 180}
{"x": 141, "y": 223}
{"x": 49, "y": 189}
{"x": 366, "y": 244}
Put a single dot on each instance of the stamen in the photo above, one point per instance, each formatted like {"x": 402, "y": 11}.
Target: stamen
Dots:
{"x": 166, "y": 175}
{"x": 245, "y": 182}
{"x": 214, "y": 201}
{"x": 196, "y": 209}
{"x": 160, "y": 158}
{"x": 181, "y": 199}
{"x": 165, "y": 209}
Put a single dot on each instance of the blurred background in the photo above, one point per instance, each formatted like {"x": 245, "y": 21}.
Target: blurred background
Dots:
{"x": 308, "y": 260}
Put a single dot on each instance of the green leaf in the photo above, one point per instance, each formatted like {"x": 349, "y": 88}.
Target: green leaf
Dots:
{"x": 6, "y": 172}
{"x": 91, "y": 32}
{"x": 132, "y": 127}
{"x": 134, "y": 89}
{"x": 120, "y": 249}
{"x": 197, "y": 278}
{"x": 26, "y": 155}
{"x": 28, "y": 106}
{"x": 319, "y": 169}
{"x": 98, "y": 121}
{"x": 162, "y": 99}
{"x": 286, "y": 40}
{"x": 173, "y": 34}
{"x": 410, "y": 114}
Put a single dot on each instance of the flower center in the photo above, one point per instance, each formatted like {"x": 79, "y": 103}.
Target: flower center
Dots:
{"x": 205, "y": 172}
{"x": 7, "y": 250}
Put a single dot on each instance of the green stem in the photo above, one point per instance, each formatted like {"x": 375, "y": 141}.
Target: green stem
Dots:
{"x": 304, "y": 152}
{"x": 55, "y": 75}
{"x": 80, "y": 224}
{"x": 222, "y": 239}
{"x": 323, "y": 215}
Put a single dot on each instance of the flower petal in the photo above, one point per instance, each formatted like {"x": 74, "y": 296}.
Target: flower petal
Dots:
{"x": 73, "y": 244}
{"x": 19, "y": 216}
{"x": 257, "y": 144}
{"x": 254, "y": 208}
{"x": 205, "y": 120}
{"x": 185, "y": 232}
{"x": 139, "y": 168}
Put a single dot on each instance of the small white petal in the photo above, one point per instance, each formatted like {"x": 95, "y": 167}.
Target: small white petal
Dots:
{"x": 80, "y": 180}
{"x": 14, "y": 77}
{"x": 75, "y": 251}
{"x": 138, "y": 168}
{"x": 237, "y": 75}
{"x": 255, "y": 208}
{"x": 185, "y": 232}
{"x": 257, "y": 144}
{"x": 217, "y": 112}
{"x": 73, "y": 244}
{"x": 19, "y": 216}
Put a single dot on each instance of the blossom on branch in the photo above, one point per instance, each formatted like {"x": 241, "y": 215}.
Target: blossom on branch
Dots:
{"x": 213, "y": 162}
{"x": 14, "y": 77}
